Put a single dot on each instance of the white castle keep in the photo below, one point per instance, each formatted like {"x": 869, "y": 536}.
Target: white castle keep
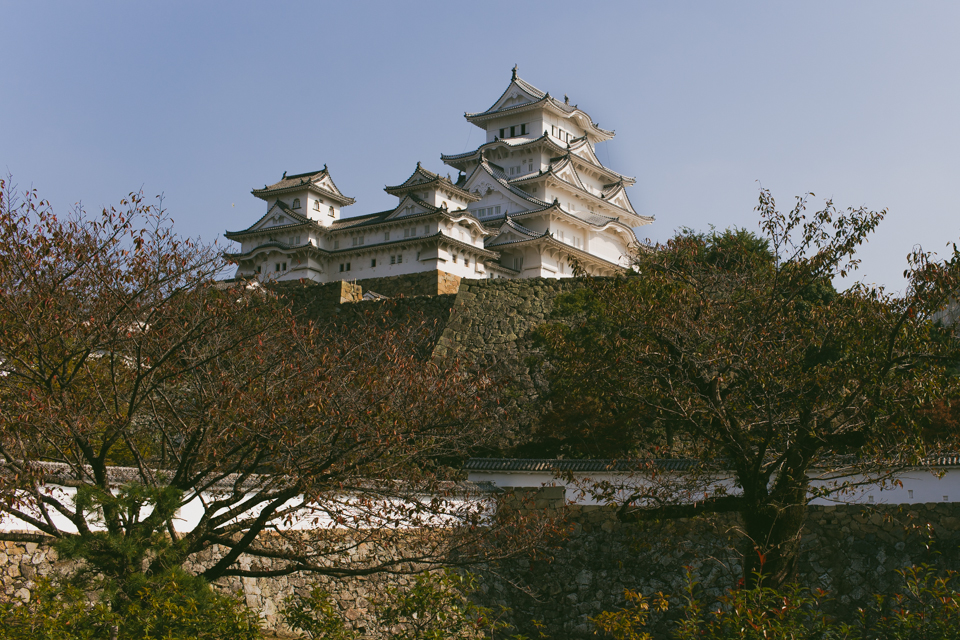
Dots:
{"x": 527, "y": 203}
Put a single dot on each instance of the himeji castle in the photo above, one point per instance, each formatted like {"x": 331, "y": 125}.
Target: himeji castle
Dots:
{"x": 527, "y": 203}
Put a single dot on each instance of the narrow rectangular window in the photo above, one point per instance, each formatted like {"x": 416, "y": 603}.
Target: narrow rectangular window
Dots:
{"x": 373, "y": 262}
{"x": 393, "y": 259}
{"x": 426, "y": 230}
{"x": 418, "y": 255}
{"x": 513, "y": 131}
{"x": 406, "y": 233}
{"x": 386, "y": 236}
{"x": 399, "y": 258}
{"x": 277, "y": 267}
{"x": 348, "y": 266}
{"x": 336, "y": 244}
{"x": 553, "y": 131}
{"x": 498, "y": 210}
{"x": 523, "y": 129}
{"x": 501, "y": 133}
{"x": 355, "y": 241}
{"x": 341, "y": 267}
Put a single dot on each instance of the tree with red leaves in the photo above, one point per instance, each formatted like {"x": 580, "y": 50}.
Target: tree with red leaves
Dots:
{"x": 134, "y": 387}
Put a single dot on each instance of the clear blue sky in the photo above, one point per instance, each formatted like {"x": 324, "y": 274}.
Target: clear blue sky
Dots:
{"x": 856, "y": 101}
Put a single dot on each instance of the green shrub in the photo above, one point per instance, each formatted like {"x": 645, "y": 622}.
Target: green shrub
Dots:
{"x": 175, "y": 606}
{"x": 316, "y": 615}
{"x": 927, "y": 607}
{"x": 55, "y": 612}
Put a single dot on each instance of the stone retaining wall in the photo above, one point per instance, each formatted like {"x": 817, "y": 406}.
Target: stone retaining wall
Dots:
{"x": 852, "y": 551}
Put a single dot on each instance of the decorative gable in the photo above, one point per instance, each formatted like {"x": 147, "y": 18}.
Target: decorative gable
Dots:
{"x": 620, "y": 199}
{"x": 409, "y": 207}
{"x": 585, "y": 151}
{"x": 482, "y": 183}
{"x": 568, "y": 173}
{"x": 515, "y": 95}
{"x": 277, "y": 216}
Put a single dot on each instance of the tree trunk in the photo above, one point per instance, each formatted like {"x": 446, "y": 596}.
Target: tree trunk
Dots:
{"x": 773, "y": 524}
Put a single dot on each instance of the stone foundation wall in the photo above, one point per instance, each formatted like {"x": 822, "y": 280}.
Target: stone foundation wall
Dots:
{"x": 427, "y": 283}
{"x": 852, "y": 551}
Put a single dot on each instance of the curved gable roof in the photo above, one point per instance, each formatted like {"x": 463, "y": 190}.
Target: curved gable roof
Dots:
{"x": 537, "y": 99}
{"x": 422, "y": 178}
{"x": 501, "y": 178}
{"x": 318, "y": 181}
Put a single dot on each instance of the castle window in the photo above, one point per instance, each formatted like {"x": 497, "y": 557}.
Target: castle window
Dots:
{"x": 399, "y": 258}
{"x": 518, "y": 264}
{"x": 358, "y": 241}
{"x": 466, "y": 262}
{"x": 373, "y": 262}
{"x": 523, "y": 129}
{"x": 284, "y": 265}
{"x": 513, "y": 131}
{"x": 341, "y": 267}
{"x": 336, "y": 244}
{"x": 418, "y": 255}
{"x": 316, "y": 205}
{"x": 296, "y": 203}
{"x": 454, "y": 259}
{"x": 386, "y": 236}
{"x": 393, "y": 259}
{"x": 296, "y": 240}
{"x": 426, "y": 229}
{"x": 502, "y": 132}
{"x": 332, "y": 214}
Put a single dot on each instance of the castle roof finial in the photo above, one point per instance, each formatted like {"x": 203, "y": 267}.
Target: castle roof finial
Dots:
{"x": 514, "y": 72}
{"x": 284, "y": 176}
{"x": 324, "y": 166}
{"x": 418, "y": 164}
{"x": 566, "y": 99}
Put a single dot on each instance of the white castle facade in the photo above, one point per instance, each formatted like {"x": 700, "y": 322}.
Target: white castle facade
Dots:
{"x": 529, "y": 202}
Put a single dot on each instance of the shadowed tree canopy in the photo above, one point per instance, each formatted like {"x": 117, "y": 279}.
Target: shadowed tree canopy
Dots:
{"x": 736, "y": 349}
{"x": 134, "y": 386}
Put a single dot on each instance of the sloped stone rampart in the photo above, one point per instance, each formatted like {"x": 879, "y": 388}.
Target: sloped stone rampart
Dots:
{"x": 491, "y": 319}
